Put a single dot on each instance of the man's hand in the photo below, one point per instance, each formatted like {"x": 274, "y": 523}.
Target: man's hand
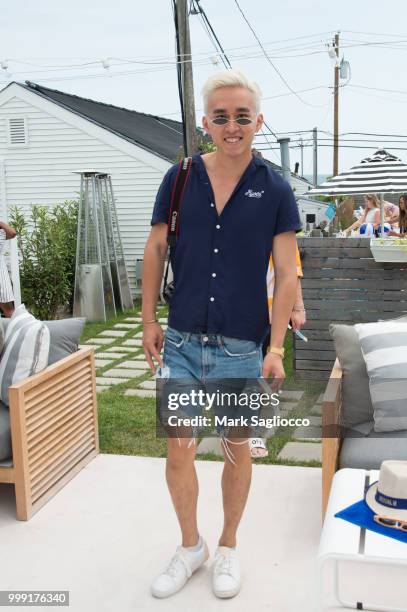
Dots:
{"x": 153, "y": 340}
{"x": 273, "y": 368}
{"x": 298, "y": 319}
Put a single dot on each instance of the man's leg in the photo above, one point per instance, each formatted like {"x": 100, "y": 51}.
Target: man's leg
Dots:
{"x": 183, "y": 486}
{"x": 236, "y": 481}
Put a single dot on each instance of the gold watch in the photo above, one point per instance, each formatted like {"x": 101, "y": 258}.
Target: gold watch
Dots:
{"x": 277, "y": 351}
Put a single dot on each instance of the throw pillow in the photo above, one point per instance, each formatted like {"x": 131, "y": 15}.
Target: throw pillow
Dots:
{"x": 356, "y": 403}
{"x": 384, "y": 349}
{"x": 64, "y": 337}
{"x": 25, "y": 351}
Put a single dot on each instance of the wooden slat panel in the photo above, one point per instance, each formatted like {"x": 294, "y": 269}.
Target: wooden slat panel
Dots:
{"x": 379, "y": 306}
{"x": 356, "y": 273}
{"x": 64, "y": 399}
{"x": 322, "y": 345}
{"x": 47, "y": 465}
{"x": 363, "y": 295}
{"x": 58, "y": 435}
{"x": 308, "y": 364}
{"x": 351, "y": 316}
{"x": 321, "y": 375}
{"x": 62, "y": 380}
{"x": 345, "y": 283}
{"x": 302, "y": 353}
{"x": 69, "y": 461}
{"x": 337, "y": 252}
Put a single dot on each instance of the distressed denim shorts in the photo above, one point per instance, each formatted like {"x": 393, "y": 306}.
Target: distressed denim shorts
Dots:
{"x": 202, "y": 361}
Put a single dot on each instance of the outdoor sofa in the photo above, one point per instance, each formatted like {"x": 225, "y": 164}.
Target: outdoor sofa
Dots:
{"x": 348, "y": 417}
{"x": 54, "y": 429}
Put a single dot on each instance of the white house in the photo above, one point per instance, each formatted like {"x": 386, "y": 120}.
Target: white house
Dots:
{"x": 307, "y": 206}
{"x": 46, "y": 136}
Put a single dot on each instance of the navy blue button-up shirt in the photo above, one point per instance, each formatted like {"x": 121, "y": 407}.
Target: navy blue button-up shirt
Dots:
{"x": 220, "y": 261}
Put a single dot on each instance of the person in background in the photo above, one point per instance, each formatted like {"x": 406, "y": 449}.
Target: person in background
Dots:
{"x": 6, "y": 290}
{"x": 258, "y": 446}
{"x": 401, "y": 232}
{"x": 371, "y": 215}
{"x": 391, "y": 213}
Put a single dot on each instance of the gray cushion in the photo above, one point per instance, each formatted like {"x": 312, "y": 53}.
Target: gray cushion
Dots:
{"x": 65, "y": 335}
{"x": 5, "y": 433}
{"x": 369, "y": 452}
{"x": 356, "y": 403}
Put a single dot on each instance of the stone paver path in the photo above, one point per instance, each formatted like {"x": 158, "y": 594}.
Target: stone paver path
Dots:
{"x": 113, "y": 333}
{"x": 125, "y": 363}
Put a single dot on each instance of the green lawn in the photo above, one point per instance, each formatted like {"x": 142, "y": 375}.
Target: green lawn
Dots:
{"x": 127, "y": 424}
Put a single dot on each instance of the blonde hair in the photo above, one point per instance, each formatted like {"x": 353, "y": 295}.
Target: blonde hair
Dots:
{"x": 374, "y": 199}
{"x": 230, "y": 78}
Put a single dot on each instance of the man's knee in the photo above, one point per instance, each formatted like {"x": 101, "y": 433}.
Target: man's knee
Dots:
{"x": 181, "y": 453}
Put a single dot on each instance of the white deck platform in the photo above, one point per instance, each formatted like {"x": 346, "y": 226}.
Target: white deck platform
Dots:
{"x": 111, "y": 529}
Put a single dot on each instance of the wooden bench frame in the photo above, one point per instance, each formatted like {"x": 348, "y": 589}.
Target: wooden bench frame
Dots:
{"x": 54, "y": 430}
{"x": 331, "y": 446}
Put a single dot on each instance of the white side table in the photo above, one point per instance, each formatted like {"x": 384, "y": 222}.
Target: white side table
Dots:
{"x": 369, "y": 569}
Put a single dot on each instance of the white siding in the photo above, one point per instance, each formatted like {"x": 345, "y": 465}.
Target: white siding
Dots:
{"x": 299, "y": 185}
{"x": 42, "y": 172}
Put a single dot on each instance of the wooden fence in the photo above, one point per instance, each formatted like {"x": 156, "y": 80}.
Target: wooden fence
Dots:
{"x": 343, "y": 284}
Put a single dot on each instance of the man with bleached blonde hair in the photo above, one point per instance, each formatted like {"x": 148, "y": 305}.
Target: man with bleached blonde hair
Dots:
{"x": 235, "y": 211}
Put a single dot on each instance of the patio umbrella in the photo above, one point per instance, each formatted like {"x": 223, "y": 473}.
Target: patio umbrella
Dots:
{"x": 381, "y": 173}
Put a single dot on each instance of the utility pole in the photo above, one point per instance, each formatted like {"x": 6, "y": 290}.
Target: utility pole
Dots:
{"x": 185, "y": 57}
{"x": 302, "y": 155}
{"x": 315, "y": 156}
{"x": 336, "y": 107}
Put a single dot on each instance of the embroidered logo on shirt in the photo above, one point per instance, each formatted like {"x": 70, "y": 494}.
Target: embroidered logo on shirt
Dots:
{"x": 253, "y": 194}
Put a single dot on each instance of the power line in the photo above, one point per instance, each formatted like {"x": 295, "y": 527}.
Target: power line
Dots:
{"x": 269, "y": 60}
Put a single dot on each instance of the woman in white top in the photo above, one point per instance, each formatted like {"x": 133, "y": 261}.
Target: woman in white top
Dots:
{"x": 371, "y": 214}
{"x": 6, "y": 290}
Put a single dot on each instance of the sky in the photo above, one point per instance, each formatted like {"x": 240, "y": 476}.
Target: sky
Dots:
{"x": 62, "y": 46}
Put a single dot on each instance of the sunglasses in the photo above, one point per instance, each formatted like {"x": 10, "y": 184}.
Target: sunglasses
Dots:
{"x": 225, "y": 120}
{"x": 389, "y": 522}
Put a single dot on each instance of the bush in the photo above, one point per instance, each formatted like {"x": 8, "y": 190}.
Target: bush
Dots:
{"x": 47, "y": 253}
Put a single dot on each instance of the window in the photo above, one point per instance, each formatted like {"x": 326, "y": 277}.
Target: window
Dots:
{"x": 17, "y": 134}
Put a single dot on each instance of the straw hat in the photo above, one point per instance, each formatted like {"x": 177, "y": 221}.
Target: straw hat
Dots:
{"x": 388, "y": 496}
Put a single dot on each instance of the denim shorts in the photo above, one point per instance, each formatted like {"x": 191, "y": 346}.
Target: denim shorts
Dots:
{"x": 209, "y": 362}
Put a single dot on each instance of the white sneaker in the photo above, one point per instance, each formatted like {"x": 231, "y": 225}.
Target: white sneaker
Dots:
{"x": 226, "y": 579}
{"x": 181, "y": 567}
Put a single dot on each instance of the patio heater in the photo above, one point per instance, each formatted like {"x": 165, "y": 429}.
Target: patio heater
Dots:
{"x": 121, "y": 285}
{"x": 98, "y": 243}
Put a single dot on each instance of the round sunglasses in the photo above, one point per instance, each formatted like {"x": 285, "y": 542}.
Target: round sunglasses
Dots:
{"x": 225, "y": 120}
{"x": 390, "y": 522}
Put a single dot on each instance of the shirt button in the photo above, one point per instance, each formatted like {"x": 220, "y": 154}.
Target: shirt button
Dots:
{"x": 212, "y": 205}
{"x": 214, "y": 274}
{"x": 216, "y": 250}
{"x": 212, "y": 299}
{"x": 218, "y": 227}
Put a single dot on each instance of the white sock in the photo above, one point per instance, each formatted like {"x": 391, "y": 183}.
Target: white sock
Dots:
{"x": 196, "y": 547}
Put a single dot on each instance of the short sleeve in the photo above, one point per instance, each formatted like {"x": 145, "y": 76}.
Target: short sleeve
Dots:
{"x": 288, "y": 218}
{"x": 161, "y": 208}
